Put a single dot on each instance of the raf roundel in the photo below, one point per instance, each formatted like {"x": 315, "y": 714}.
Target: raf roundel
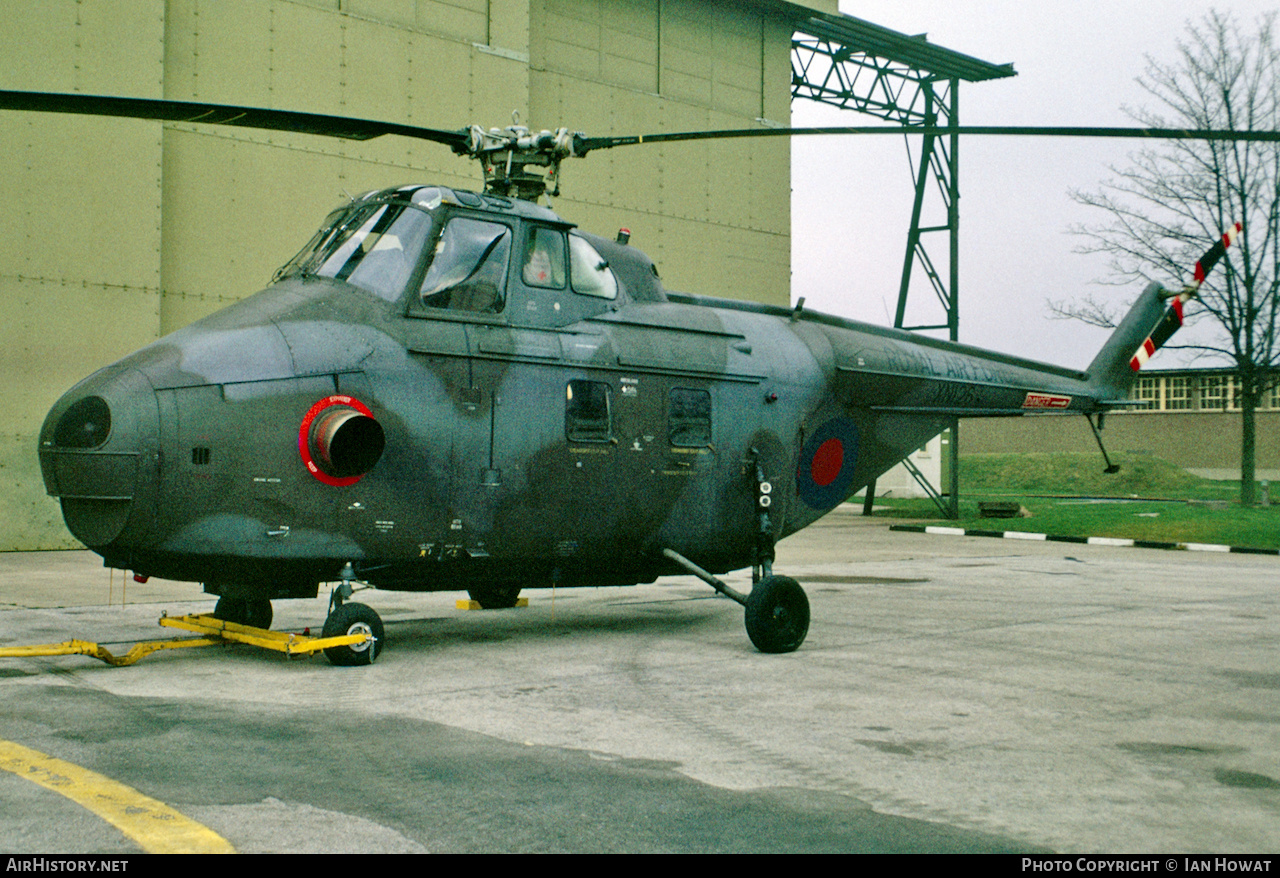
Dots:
{"x": 827, "y": 464}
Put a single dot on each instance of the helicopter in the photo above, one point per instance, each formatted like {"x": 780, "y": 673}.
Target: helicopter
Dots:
{"x": 453, "y": 390}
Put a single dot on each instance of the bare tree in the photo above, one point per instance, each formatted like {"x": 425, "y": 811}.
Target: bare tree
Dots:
{"x": 1174, "y": 200}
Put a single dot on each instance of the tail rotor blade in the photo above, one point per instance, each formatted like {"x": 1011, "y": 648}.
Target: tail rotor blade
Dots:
{"x": 1215, "y": 253}
{"x": 1171, "y": 321}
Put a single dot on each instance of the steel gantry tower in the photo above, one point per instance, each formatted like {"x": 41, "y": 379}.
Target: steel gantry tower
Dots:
{"x": 856, "y": 65}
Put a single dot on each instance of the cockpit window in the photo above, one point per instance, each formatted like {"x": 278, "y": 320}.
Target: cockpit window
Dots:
{"x": 469, "y": 269}
{"x": 374, "y": 246}
{"x": 589, "y": 272}
{"x": 544, "y": 258}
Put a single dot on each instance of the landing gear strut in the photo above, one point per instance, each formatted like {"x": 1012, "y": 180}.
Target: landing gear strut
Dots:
{"x": 352, "y": 618}
{"x": 777, "y": 616}
{"x": 777, "y": 610}
{"x": 762, "y": 551}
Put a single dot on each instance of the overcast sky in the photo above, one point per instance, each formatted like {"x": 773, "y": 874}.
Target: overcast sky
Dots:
{"x": 1077, "y": 61}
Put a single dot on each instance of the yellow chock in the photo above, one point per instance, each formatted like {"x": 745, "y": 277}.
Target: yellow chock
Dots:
{"x": 468, "y": 604}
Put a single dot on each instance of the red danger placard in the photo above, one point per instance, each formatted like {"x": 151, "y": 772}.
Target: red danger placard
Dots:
{"x": 1045, "y": 401}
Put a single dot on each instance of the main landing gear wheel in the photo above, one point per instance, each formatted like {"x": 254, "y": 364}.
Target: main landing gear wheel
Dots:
{"x": 352, "y": 618}
{"x": 254, "y": 612}
{"x": 495, "y": 597}
{"x": 777, "y": 616}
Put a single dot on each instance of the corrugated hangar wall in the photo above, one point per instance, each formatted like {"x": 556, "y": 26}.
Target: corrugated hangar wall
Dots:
{"x": 120, "y": 231}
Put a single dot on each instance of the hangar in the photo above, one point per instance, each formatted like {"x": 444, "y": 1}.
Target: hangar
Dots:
{"x": 121, "y": 230}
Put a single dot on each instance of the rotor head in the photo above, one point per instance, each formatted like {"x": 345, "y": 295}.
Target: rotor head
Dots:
{"x": 519, "y": 163}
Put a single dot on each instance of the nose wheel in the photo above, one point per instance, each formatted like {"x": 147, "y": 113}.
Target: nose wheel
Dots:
{"x": 349, "y": 617}
{"x": 354, "y": 618}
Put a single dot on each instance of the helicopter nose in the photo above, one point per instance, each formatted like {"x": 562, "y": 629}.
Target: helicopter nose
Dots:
{"x": 98, "y": 453}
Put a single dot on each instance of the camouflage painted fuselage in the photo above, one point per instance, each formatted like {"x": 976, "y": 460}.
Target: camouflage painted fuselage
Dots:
{"x": 191, "y": 459}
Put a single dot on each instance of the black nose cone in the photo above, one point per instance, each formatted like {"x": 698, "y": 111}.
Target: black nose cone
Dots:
{"x": 96, "y": 447}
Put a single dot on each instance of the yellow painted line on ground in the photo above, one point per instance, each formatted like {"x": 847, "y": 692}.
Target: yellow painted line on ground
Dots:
{"x": 157, "y": 828}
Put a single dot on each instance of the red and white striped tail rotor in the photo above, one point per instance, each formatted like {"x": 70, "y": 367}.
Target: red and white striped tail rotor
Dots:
{"x": 1172, "y": 319}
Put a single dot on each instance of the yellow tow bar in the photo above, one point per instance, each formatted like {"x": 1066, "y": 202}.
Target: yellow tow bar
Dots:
{"x": 217, "y": 631}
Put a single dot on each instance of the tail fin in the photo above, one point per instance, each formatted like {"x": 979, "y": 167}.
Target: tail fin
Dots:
{"x": 1134, "y": 340}
{"x": 1147, "y": 326}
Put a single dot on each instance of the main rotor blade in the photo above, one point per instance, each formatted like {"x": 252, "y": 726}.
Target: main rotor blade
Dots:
{"x": 586, "y": 144}
{"x": 460, "y": 140}
{"x": 221, "y": 114}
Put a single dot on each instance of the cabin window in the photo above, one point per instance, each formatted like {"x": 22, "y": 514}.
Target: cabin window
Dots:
{"x": 586, "y": 413}
{"x": 469, "y": 267}
{"x": 689, "y": 417}
{"x": 589, "y": 272}
{"x": 544, "y": 258}
{"x": 374, "y": 247}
